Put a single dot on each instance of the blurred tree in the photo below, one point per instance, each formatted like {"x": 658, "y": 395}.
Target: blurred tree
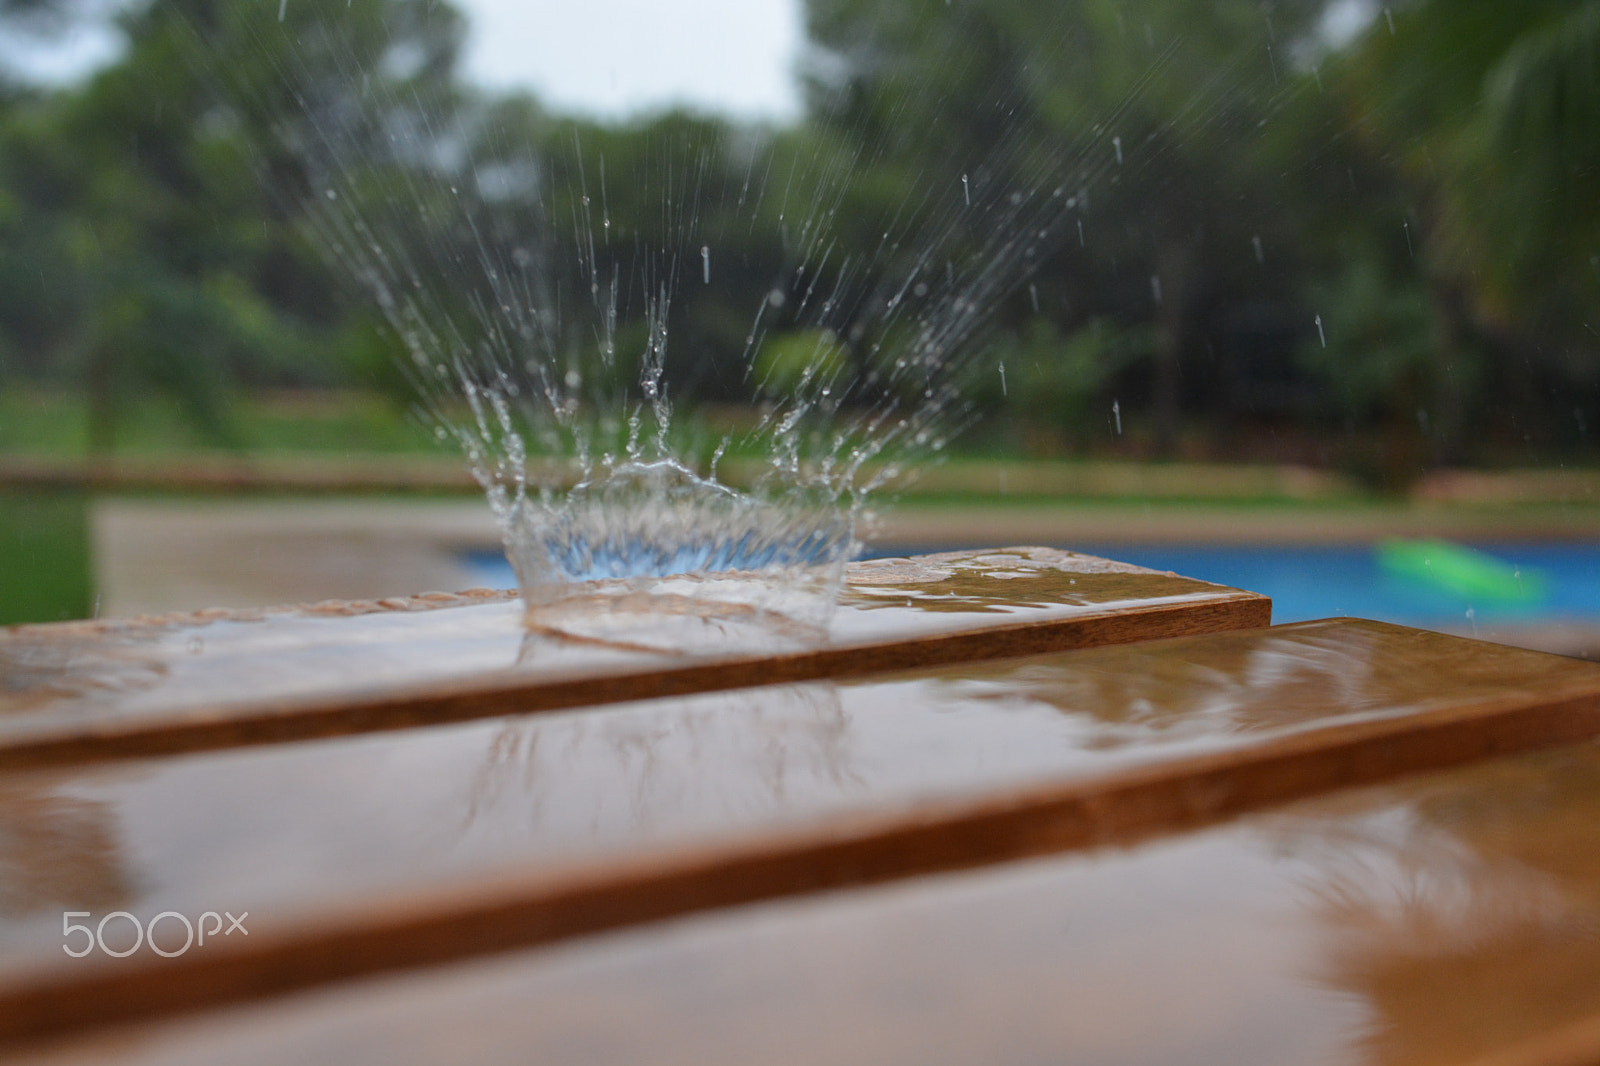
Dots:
{"x": 1489, "y": 114}
{"x": 551, "y": 249}
{"x": 165, "y": 193}
{"x": 1151, "y": 119}
{"x": 1114, "y": 185}
{"x": 669, "y": 206}
{"x": 1056, "y": 382}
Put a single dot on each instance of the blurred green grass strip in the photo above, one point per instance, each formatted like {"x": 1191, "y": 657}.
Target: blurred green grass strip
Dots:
{"x": 46, "y": 570}
{"x": 42, "y": 422}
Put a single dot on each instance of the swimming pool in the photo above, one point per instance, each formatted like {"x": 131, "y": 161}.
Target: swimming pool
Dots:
{"x": 1323, "y": 582}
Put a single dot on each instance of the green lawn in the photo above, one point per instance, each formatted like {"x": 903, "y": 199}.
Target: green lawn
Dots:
{"x": 337, "y": 423}
{"x": 46, "y": 572}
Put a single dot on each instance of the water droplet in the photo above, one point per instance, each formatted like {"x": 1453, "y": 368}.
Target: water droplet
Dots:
{"x": 1116, "y": 143}
{"x": 283, "y": 9}
{"x": 1260, "y": 254}
{"x": 1033, "y": 296}
{"x": 705, "y": 263}
{"x": 331, "y": 194}
{"x": 1155, "y": 288}
{"x": 1323, "y": 337}
{"x": 966, "y": 190}
{"x": 1116, "y": 414}
{"x": 1003, "y": 391}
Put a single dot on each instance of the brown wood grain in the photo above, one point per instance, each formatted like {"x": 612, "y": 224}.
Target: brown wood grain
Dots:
{"x": 343, "y": 714}
{"x": 531, "y": 907}
{"x": 1574, "y": 1045}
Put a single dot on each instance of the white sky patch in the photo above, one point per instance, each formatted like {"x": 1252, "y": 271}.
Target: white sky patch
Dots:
{"x": 614, "y": 59}
{"x": 606, "y": 59}
{"x": 60, "y": 59}
{"x": 1345, "y": 20}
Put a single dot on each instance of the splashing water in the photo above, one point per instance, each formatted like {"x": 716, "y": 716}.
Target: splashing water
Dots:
{"x": 853, "y": 367}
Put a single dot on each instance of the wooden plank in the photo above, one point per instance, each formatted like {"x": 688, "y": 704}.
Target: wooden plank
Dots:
{"x": 1445, "y": 920}
{"x": 283, "y": 829}
{"x": 86, "y": 691}
{"x": 1577, "y": 1044}
{"x": 1504, "y": 701}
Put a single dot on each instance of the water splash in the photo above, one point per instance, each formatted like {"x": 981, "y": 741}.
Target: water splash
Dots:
{"x": 537, "y": 335}
{"x": 615, "y": 537}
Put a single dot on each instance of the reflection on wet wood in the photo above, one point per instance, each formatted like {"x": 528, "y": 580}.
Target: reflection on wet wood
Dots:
{"x": 1465, "y": 907}
{"x": 86, "y": 691}
{"x": 1509, "y": 701}
{"x": 1573, "y": 1045}
{"x": 1451, "y": 918}
{"x": 284, "y": 829}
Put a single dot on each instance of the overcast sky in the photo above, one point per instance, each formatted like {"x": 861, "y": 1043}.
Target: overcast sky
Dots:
{"x": 604, "y": 58}
{"x": 613, "y": 58}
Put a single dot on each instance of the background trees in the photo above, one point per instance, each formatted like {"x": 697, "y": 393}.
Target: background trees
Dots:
{"x": 1484, "y": 117}
{"x": 1156, "y": 117}
{"x": 1378, "y": 249}
{"x": 156, "y": 206}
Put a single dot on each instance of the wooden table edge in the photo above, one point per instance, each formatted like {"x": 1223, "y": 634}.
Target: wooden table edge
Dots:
{"x": 280, "y": 721}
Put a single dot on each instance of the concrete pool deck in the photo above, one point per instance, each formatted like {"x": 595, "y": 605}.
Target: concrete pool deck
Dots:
{"x": 158, "y": 555}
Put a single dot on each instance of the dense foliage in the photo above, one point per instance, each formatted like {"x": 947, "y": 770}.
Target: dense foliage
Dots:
{"x": 1381, "y": 250}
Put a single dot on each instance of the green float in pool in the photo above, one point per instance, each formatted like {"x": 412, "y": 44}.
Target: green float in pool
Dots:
{"x": 1460, "y": 570}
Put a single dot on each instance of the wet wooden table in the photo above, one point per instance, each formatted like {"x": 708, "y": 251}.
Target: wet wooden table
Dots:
{"x": 1331, "y": 842}
{"x": 92, "y": 690}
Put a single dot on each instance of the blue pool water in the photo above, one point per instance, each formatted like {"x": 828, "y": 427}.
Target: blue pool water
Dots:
{"x": 1324, "y": 582}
